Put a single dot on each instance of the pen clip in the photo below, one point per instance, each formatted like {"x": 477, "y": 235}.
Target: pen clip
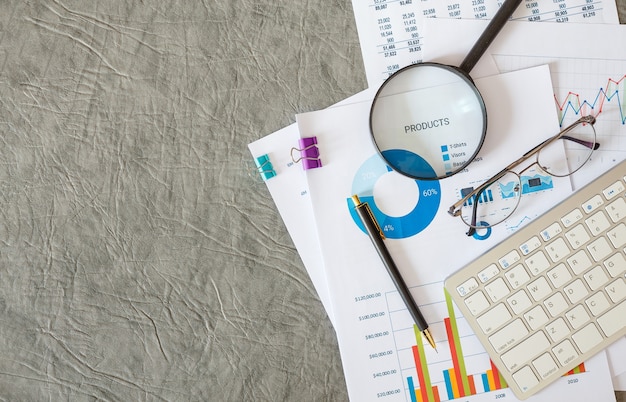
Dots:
{"x": 369, "y": 211}
{"x": 358, "y": 204}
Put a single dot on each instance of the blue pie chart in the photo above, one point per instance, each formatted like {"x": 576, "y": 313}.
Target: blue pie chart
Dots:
{"x": 395, "y": 227}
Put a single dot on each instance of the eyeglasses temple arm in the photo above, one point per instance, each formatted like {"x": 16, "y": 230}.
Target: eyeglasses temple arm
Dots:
{"x": 472, "y": 226}
{"x": 588, "y": 144}
{"x": 558, "y": 136}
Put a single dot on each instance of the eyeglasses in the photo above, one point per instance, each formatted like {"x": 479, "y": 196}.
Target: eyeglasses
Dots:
{"x": 497, "y": 198}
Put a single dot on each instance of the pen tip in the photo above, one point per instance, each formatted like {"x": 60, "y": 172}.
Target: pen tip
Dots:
{"x": 430, "y": 339}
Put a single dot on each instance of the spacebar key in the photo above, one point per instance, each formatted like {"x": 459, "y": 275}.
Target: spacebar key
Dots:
{"x": 613, "y": 320}
{"x": 525, "y": 351}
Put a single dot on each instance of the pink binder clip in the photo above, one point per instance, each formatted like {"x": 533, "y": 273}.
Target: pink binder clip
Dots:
{"x": 309, "y": 153}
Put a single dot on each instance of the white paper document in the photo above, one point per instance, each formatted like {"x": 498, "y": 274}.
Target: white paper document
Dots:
{"x": 289, "y": 190}
{"x": 391, "y": 34}
{"x": 383, "y": 357}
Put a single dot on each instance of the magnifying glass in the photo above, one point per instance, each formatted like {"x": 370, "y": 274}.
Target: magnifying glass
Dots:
{"x": 428, "y": 120}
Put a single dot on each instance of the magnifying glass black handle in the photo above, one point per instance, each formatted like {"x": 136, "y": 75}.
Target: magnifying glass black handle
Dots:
{"x": 489, "y": 34}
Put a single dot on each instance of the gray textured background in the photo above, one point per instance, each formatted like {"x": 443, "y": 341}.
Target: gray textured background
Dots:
{"x": 138, "y": 260}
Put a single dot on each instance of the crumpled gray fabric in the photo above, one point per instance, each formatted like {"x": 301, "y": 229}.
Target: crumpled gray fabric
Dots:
{"x": 139, "y": 260}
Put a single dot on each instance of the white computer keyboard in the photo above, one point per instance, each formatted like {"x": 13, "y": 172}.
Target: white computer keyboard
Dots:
{"x": 554, "y": 293}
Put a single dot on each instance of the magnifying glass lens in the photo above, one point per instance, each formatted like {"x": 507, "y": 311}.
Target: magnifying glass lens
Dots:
{"x": 428, "y": 121}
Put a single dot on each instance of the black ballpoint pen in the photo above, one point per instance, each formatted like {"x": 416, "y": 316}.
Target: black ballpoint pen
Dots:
{"x": 377, "y": 236}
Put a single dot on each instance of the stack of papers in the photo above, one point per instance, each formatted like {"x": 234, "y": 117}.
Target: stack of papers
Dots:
{"x": 535, "y": 78}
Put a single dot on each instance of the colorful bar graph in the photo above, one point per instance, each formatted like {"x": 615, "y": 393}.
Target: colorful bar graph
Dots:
{"x": 457, "y": 382}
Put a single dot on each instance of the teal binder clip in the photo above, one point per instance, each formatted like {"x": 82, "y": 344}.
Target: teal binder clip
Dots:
{"x": 264, "y": 167}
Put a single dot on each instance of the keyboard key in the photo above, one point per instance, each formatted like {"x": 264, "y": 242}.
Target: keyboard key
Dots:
{"x": 551, "y": 231}
{"x": 497, "y": 290}
{"x": 557, "y": 250}
{"x": 486, "y": 274}
{"x": 616, "y": 290}
{"x": 525, "y": 379}
{"x": 571, "y": 218}
{"x": 557, "y": 329}
{"x": 597, "y": 303}
{"x": 613, "y": 190}
{"x": 493, "y": 318}
{"x": 565, "y": 352}
{"x": 539, "y": 288}
{"x": 615, "y": 264}
{"x": 509, "y": 259}
{"x": 508, "y": 336}
{"x": 555, "y": 304}
{"x": 577, "y": 236}
{"x": 545, "y": 365}
{"x": 536, "y": 317}
{"x": 525, "y": 350}
{"x": 467, "y": 287}
{"x": 537, "y": 263}
{"x": 596, "y": 278}
{"x": 530, "y": 245}
{"x": 579, "y": 262}
{"x": 597, "y": 223}
{"x": 617, "y": 235}
{"x": 559, "y": 275}
{"x": 577, "y": 316}
{"x": 617, "y": 210}
{"x": 613, "y": 320}
{"x": 477, "y": 303}
{"x": 575, "y": 291}
{"x": 517, "y": 276}
{"x": 593, "y": 204}
{"x": 519, "y": 302}
{"x": 587, "y": 338}
{"x": 599, "y": 249}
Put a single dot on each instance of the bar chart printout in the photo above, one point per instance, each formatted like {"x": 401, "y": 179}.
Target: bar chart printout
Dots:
{"x": 457, "y": 383}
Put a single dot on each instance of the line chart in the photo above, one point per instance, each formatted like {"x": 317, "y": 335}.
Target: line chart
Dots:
{"x": 614, "y": 90}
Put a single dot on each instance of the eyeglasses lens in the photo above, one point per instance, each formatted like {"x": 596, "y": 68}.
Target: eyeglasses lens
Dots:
{"x": 495, "y": 203}
{"x": 578, "y": 143}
